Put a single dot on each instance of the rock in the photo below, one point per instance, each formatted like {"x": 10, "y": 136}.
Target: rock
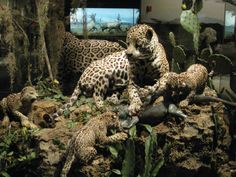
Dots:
{"x": 227, "y": 170}
{"x": 40, "y": 109}
{"x": 199, "y": 142}
{"x": 52, "y": 144}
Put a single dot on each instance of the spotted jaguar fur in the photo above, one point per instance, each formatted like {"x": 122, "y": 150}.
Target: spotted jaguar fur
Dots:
{"x": 144, "y": 60}
{"x": 147, "y": 60}
{"x": 182, "y": 87}
{"x": 19, "y": 105}
{"x": 77, "y": 54}
{"x": 81, "y": 145}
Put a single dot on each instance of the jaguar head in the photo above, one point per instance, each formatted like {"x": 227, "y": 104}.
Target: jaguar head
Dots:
{"x": 141, "y": 41}
{"x": 29, "y": 94}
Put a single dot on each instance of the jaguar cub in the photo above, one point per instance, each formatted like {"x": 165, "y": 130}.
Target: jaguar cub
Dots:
{"x": 78, "y": 54}
{"x": 19, "y": 105}
{"x": 141, "y": 64}
{"x": 81, "y": 145}
{"x": 99, "y": 78}
{"x": 183, "y": 86}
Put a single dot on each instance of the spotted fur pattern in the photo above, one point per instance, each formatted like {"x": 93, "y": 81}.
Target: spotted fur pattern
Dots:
{"x": 77, "y": 54}
{"x": 100, "y": 78}
{"x": 19, "y": 105}
{"x": 81, "y": 146}
{"x": 147, "y": 60}
{"x": 183, "y": 86}
{"x": 144, "y": 61}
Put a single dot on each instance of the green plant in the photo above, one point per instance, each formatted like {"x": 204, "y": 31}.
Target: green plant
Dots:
{"x": 59, "y": 144}
{"x": 16, "y": 151}
{"x": 48, "y": 90}
{"x": 152, "y": 166}
{"x": 184, "y": 57}
{"x": 180, "y": 61}
{"x": 190, "y": 22}
{"x": 128, "y": 163}
{"x": 146, "y": 165}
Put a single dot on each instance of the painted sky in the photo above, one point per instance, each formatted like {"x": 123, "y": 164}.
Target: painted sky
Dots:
{"x": 108, "y": 14}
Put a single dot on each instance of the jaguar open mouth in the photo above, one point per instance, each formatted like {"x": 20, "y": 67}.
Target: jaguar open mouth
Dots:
{"x": 33, "y": 99}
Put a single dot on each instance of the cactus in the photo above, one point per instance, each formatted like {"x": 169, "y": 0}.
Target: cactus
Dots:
{"x": 179, "y": 59}
{"x": 172, "y": 39}
{"x": 190, "y": 61}
{"x": 187, "y": 4}
{"x": 205, "y": 53}
{"x": 175, "y": 66}
{"x": 221, "y": 64}
{"x": 197, "y": 6}
{"x": 179, "y": 54}
{"x": 190, "y": 23}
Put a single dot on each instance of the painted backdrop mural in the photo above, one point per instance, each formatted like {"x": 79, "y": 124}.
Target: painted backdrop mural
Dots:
{"x": 103, "y": 21}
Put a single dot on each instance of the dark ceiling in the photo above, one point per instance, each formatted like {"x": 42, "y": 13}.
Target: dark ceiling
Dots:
{"x": 114, "y": 3}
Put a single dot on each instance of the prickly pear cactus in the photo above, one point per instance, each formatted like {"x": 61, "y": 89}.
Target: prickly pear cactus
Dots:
{"x": 190, "y": 23}
{"x": 180, "y": 61}
{"x": 205, "y": 53}
{"x": 179, "y": 55}
{"x": 175, "y": 67}
{"x": 220, "y": 63}
{"x": 197, "y": 6}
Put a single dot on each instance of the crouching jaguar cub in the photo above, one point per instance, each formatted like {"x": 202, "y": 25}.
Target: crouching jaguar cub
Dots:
{"x": 81, "y": 146}
{"x": 100, "y": 78}
{"x": 184, "y": 86}
{"x": 141, "y": 64}
{"x": 19, "y": 105}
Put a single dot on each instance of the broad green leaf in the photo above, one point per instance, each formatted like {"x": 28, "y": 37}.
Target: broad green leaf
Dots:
{"x": 157, "y": 167}
{"x": 148, "y": 127}
{"x": 150, "y": 145}
{"x": 5, "y": 174}
{"x": 116, "y": 171}
{"x": 148, "y": 157}
{"x": 133, "y": 132}
{"x": 129, "y": 159}
{"x": 113, "y": 151}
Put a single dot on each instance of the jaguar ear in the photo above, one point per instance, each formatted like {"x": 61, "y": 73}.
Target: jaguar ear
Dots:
{"x": 149, "y": 34}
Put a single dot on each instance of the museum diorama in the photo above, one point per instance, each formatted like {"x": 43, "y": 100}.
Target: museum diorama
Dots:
{"x": 106, "y": 88}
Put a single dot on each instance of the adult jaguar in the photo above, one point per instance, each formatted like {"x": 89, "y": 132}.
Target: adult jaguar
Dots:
{"x": 77, "y": 54}
{"x": 144, "y": 59}
{"x": 148, "y": 63}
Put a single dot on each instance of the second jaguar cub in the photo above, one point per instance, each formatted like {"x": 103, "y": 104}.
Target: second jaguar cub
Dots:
{"x": 185, "y": 85}
{"x": 19, "y": 105}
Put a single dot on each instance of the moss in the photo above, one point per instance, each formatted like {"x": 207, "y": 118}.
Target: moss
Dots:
{"x": 7, "y": 31}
